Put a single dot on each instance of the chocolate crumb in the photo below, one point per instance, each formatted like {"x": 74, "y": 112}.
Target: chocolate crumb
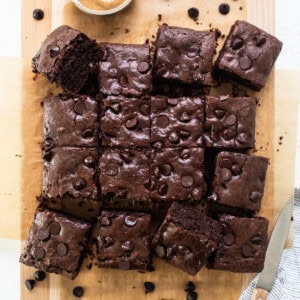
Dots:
{"x": 241, "y": 8}
{"x": 126, "y": 30}
{"x": 159, "y": 17}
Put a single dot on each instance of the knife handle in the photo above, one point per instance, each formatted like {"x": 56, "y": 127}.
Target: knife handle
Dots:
{"x": 259, "y": 294}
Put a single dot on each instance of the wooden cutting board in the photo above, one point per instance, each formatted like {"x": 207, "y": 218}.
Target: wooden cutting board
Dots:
{"x": 275, "y": 138}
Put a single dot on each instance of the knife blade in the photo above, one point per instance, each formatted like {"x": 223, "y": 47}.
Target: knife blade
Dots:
{"x": 274, "y": 252}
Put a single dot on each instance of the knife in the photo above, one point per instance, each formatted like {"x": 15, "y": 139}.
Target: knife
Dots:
{"x": 274, "y": 252}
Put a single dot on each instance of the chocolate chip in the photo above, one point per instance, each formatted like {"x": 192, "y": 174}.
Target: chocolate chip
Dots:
{"x": 143, "y": 67}
{"x": 38, "y": 14}
{"x": 245, "y": 63}
{"x": 224, "y": 8}
{"x": 115, "y": 108}
{"x": 54, "y": 51}
{"x": 130, "y": 221}
{"x": 236, "y": 169}
{"x": 259, "y": 40}
{"x": 115, "y": 89}
{"x": 187, "y": 181}
{"x": 149, "y": 287}
{"x": 246, "y": 251}
{"x": 80, "y": 108}
{"x": 105, "y": 221}
{"x": 193, "y": 12}
{"x": 48, "y": 155}
{"x": 88, "y": 133}
{"x": 226, "y": 174}
{"x": 197, "y": 194}
{"x": 242, "y": 137}
{"x": 160, "y": 251}
{"x": 43, "y": 234}
{"x": 174, "y": 138}
{"x": 255, "y": 196}
{"x": 192, "y": 295}
{"x": 145, "y": 109}
{"x": 29, "y": 283}
{"x": 163, "y": 189}
{"x": 78, "y": 291}
{"x": 228, "y": 134}
{"x": 124, "y": 81}
{"x": 39, "y": 275}
{"x": 89, "y": 162}
{"x": 111, "y": 170}
{"x": 165, "y": 169}
{"x": 62, "y": 249}
{"x": 38, "y": 253}
{"x": 225, "y": 163}
{"x": 185, "y": 118}
{"x": 131, "y": 123}
{"x": 170, "y": 253}
{"x": 257, "y": 240}
{"x": 113, "y": 73}
{"x": 127, "y": 246}
{"x": 185, "y": 154}
{"x": 183, "y": 249}
{"x": 184, "y": 134}
{"x": 190, "y": 286}
{"x": 108, "y": 241}
{"x": 237, "y": 43}
{"x": 230, "y": 120}
{"x": 219, "y": 113}
{"x": 54, "y": 228}
{"x": 48, "y": 144}
{"x": 79, "y": 183}
{"x": 162, "y": 121}
{"x": 124, "y": 264}
{"x": 172, "y": 101}
{"x": 228, "y": 239}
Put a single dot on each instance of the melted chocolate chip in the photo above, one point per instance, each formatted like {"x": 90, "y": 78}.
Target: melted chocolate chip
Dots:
{"x": 145, "y": 109}
{"x": 38, "y": 253}
{"x": 237, "y": 43}
{"x": 242, "y": 137}
{"x": 79, "y": 183}
{"x": 230, "y": 120}
{"x": 184, "y": 134}
{"x": 245, "y": 63}
{"x": 187, "y": 181}
{"x": 260, "y": 40}
{"x": 113, "y": 73}
{"x": 236, "y": 169}
{"x": 257, "y": 240}
{"x": 80, "y": 108}
{"x": 162, "y": 121}
{"x": 225, "y": 163}
{"x": 43, "y": 234}
{"x": 62, "y": 249}
{"x": 127, "y": 246}
{"x": 224, "y": 8}
{"x": 193, "y": 12}
{"x": 174, "y": 138}
{"x": 108, "y": 241}
{"x": 185, "y": 154}
{"x": 219, "y": 113}
{"x": 130, "y": 221}
{"x": 54, "y": 228}
{"x": 165, "y": 169}
{"x": 38, "y": 14}
{"x": 163, "y": 189}
{"x": 124, "y": 264}
{"x": 143, "y": 67}
{"x": 54, "y": 51}
{"x": 255, "y": 196}
{"x": 185, "y": 118}
{"x": 131, "y": 123}
{"x": 89, "y": 162}
{"x": 228, "y": 239}
{"x": 88, "y": 133}
{"x": 111, "y": 170}
{"x": 124, "y": 81}
{"x": 115, "y": 108}
{"x": 226, "y": 174}
{"x": 160, "y": 251}
{"x": 246, "y": 251}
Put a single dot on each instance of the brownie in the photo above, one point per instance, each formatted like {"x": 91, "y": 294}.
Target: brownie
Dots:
{"x": 70, "y": 181}
{"x": 123, "y": 240}
{"x": 66, "y": 57}
{"x": 70, "y": 121}
{"x": 230, "y": 122}
{"x": 125, "y": 69}
{"x": 177, "y": 122}
{"x": 184, "y": 55}
{"x": 125, "y": 122}
{"x": 248, "y": 55}
{"x": 239, "y": 180}
{"x": 186, "y": 238}
{"x": 177, "y": 174}
{"x": 56, "y": 243}
{"x": 124, "y": 174}
{"x": 243, "y": 244}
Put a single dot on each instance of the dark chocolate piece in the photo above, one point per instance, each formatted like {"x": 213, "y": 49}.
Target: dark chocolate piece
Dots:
{"x": 30, "y": 283}
{"x": 39, "y": 275}
{"x": 193, "y": 12}
{"x": 38, "y": 14}
{"x": 224, "y": 8}
{"x": 149, "y": 287}
{"x": 78, "y": 291}
{"x": 190, "y": 286}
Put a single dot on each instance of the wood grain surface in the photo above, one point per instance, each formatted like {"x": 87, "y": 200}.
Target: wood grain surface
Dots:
{"x": 141, "y": 20}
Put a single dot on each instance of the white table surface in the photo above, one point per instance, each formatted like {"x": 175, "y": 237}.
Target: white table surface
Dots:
{"x": 287, "y": 29}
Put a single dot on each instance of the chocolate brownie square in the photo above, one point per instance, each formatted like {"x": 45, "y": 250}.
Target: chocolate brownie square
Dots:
{"x": 186, "y": 238}
{"x": 70, "y": 121}
{"x": 230, "y": 122}
{"x": 124, "y": 174}
{"x": 125, "y": 122}
{"x": 177, "y": 122}
{"x": 248, "y": 55}
{"x": 67, "y": 57}
{"x": 123, "y": 240}
{"x": 177, "y": 174}
{"x": 184, "y": 55}
{"x": 70, "y": 181}
{"x": 243, "y": 244}
{"x": 56, "y": 243}
{"x": 125, "y": 69}
{"x": 239, "y": 180}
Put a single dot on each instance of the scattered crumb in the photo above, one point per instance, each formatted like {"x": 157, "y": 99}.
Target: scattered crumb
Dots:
{"x": 159, "y": 17}
{"x": 218, "y": 32}
{"x": 134, "y": 287}
{"x": 147, "y": 41}
{"x": 153, "y": 36}
{"x": 241, "y": 8}
{"x": 223, "y": 36}
{"x": 198, "y": 23}
{"x": 89, "y": 266}
{"x": 126, "y": 30}
{"x": 209, "y": 25}
{"x": 280, "y": 143}
{"x": 277, "y": 150}
{"x": 18, "y": 155}
{"x": 292, "y": 218}
{"x": 111, "y": 33}
{"x": 281, "y": 138}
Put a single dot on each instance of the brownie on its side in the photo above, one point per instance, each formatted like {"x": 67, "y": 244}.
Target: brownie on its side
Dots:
{"x": 239, "y": 180}
{"x": 184, "y": 55}
{"x": 230, "y": 122}
{"x": 70, "y": 121}
{"x": 56, "y": 243}
{"x": 243, "y": 244}
{"x": 177, "y": 174}
{"x": 123, "y": 240}
{"x": 186, "y": 238}
{"x": 125, "y": 69}
{"x": 67, "y": 57}
{"x": 248, "y": 55}
{"x": 70, "y": 181}
{"x": 177, "y": 122}
{"x": 125, "y": 122}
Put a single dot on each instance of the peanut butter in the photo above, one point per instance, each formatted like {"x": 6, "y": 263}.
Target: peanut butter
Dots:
{"x": 101, "y": 4}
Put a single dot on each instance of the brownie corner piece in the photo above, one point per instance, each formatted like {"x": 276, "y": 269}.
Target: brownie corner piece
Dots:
{"x": 123, "y": 240}
{"x": 243, "y": 244}
{"x": 230, "y": 122}
{"x": 125, "y": 69}
{"x": 184, "y": 55}
{"x": 56, "y": 243}
{"x": 248, "y": 55}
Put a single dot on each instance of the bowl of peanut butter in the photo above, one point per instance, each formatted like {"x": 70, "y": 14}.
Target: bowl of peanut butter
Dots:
{"x": 101, "y": 7}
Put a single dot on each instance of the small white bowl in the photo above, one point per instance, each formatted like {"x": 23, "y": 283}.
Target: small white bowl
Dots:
{"x": 101, "y": 12}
